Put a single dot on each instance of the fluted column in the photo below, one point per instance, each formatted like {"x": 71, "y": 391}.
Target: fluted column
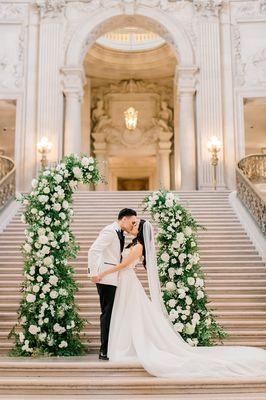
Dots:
{"x": 187, "y": 135}
{"x": 73, "y": 90}
{"x": 210, "y": 119}
{"x": 50, "y": 97}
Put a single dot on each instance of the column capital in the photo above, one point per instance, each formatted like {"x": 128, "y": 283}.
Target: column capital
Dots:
{"x": 186, "y": 78}
{"x": 73, "y": 80}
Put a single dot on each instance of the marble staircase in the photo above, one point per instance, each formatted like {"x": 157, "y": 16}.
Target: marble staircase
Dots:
{"x": 235, "y": 282}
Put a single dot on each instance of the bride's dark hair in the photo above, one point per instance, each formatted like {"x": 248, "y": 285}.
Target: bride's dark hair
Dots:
{"x": 139, "y": 239}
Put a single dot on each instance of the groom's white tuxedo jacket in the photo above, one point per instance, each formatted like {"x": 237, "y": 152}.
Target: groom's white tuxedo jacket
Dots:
{"x": 104, "y": 253}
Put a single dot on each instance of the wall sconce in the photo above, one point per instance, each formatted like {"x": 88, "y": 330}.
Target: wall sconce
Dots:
{"x": 214, "y": 146}
{"x": 131, "y": 118}
{"x": 44, "y": 147}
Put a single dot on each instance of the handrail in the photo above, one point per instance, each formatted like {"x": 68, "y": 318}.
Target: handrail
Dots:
{"x": 7, "y": 180}
{"x": 251, "y": 170}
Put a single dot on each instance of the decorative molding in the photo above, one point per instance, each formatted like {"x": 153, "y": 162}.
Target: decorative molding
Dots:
{"x": 12, "y": 71}
{"x": 186, "y": 79}
{"x": 249, "y": 9}
{"x": 12, "y": 11}
{"x": 73, "y": 81}
{"x": 208, "y": 8}
{"x": 51, "y": 8}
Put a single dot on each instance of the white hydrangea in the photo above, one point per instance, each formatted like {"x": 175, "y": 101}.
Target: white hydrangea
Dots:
{"x": 171, "y": 272}
{"x": 57, "y": 206}
{"x": 27, "y": 247}
{"x": 190, "y": 329}
{"x": 179, "y": 326}
{"x": 200, "y": 294}
{"x": 47, "y": 260}
{"x": 188, "y": 231}
{"x": 58, "y": 178}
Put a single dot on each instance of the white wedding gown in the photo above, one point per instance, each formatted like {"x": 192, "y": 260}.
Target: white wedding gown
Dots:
{"x": 141, "y": 333}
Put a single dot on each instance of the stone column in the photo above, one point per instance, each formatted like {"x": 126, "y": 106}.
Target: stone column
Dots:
{"x": 187, "y": 136}
{"x": 73, "y": 90}
{"x": 29, "y": 169}
{"x": 177, "y": 168}
{"x": 164, "y": 150}
{"x": 100, "y": 149}
{"x": 50, "y": 97}
{"x": 210, "y": 118}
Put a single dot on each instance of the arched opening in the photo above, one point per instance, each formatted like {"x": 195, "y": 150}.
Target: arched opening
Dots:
{"x": 118, "y": 62}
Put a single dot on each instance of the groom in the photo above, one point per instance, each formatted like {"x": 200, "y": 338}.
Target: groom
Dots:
{"x": 104, "y": 252}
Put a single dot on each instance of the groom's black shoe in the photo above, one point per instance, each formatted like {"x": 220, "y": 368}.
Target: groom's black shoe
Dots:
{"x": 103, "y": 356}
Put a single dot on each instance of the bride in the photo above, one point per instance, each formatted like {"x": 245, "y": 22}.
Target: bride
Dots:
{"x": 141, "y": 331}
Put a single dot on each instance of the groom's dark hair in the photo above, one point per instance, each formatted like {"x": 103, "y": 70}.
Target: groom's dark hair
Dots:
{"x": 126, "y": 212}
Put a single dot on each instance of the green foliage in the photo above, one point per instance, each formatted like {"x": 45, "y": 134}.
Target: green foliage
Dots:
{"x": 181, "y": 276}
{"x": 48, "y": 321}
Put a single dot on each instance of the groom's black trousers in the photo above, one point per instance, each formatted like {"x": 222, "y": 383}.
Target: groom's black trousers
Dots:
{"x": 107, "y": 296}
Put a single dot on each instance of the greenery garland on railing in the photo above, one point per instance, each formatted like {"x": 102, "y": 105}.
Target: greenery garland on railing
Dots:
{"x": 181, "y": 277}
{"x": 48, "y": 321}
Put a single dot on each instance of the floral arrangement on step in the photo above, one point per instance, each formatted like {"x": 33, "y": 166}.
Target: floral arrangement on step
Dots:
{"x": 48, "y": 320}
{"x": 180, "y": 272}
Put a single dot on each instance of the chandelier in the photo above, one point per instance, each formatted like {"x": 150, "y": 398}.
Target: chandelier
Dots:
{"x": 131, "y": 118}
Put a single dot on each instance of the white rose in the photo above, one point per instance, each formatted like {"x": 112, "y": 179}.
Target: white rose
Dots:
{"x": 182, "y": 257}
{"x": 30, "y": 298}
{"x": 179, "y": 326}
{"x": 188, "y": 231}
{"x": 46, "y": 190}
{"x": 43, "y": 270}
{"x": 62, "y": 215}
{"x": 34, "y": 183}
{"x": 46, "y": 288}
{"x": 188, "y": 300}
{"x": 27, "y": 247}
{"x": 65, "y": 205}
{"x": 42, "y": 336}
{"x": 77, "y": 172}
{"x": 171, "y": 272}
{"x": 170, "y": 286}
{"x": 172, "y": 303}
{"x": 191, "y": 281}
{"x": 199, "y": 282}
{"x": 39, "y": 278}
{"x": 53, "y": 280}
{"x": 190, "y": 329}
{"x": 85, "y": 161}
{"x": 43, "y": 239}
{"x": 36, "y": 288}
{"x": 196, "y": 318}
{"x": 58, "y": 178}
{"x": 91, "y": 168}
{"x": 63, "y": 344}
{"x": 47, "y": 261}
{"x": 34, "y": 210}
{"x": 165, "y": 257}
{"x": 53, "y": 294}
{"x": 33, "y": 329}
{"x": 21, "y": 337}
{"x": 200, "y": 295}
{"x": 57, "y": 206}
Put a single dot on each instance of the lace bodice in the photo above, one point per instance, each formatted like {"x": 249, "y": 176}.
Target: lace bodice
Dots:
{"x": 125, "y": 255}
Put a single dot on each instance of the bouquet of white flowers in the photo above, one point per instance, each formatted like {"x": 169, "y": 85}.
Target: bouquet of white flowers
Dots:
{"x": 182, "y": 280}
{"x": 48, "y": 321}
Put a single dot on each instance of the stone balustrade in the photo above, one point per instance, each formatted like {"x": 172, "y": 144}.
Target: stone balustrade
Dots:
{"x": 7, "y": 180}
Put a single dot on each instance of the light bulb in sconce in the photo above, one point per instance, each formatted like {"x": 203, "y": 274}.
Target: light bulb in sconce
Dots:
{"x": 214, "y": 146}
{"x": 131, "y": 118}
{"x": 44, "y": 147}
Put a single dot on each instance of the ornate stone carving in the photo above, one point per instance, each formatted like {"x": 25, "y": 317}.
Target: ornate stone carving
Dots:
{"x": 11, "y": 68}
{"x": 255, "y": 68}
{"x": 249, "y": 9}
{"x": 208, "y": 8}
{"x": 11, "y": 11}
{"x": 250, "y": 170}
{"x": 7, "y": 180}
{"x": 73, "y": 81}
{"x": 51, "y": 8}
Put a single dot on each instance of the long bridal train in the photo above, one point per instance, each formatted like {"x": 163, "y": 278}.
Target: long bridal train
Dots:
{"x": 139, "y": 332}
